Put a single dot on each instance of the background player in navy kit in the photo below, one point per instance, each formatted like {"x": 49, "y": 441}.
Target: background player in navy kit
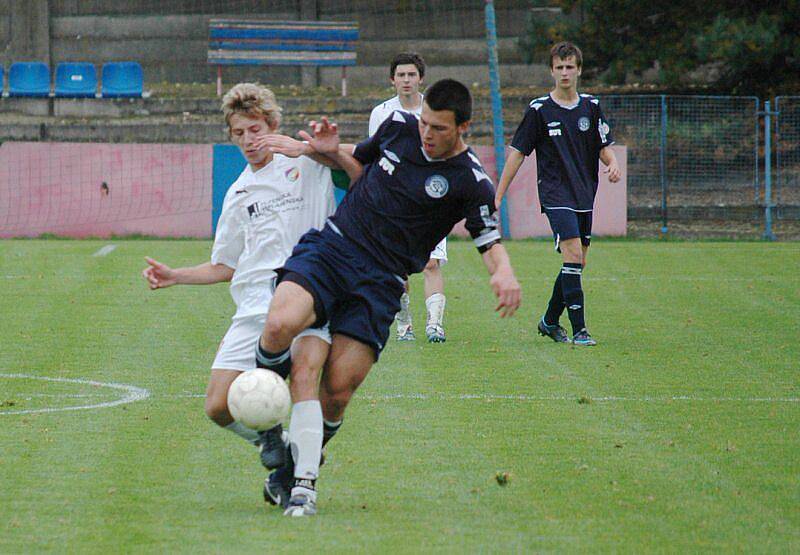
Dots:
{"x": 569, "y": 134}
{"x": 415, "y": 180}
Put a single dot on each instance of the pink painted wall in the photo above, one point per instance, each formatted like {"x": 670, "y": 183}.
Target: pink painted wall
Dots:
{"x": 524, "y": 213}
{"x": 165, "y": 190}
{"x": 161, "y": 190}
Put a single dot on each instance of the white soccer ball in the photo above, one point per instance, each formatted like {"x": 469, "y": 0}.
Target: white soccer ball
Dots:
{"x": 259, "y": 399}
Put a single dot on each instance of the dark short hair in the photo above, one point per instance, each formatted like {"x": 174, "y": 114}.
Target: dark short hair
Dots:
{"x": 449, "y": 94}
{"x": 407, "y": 58}
{"x": 564, "y": 50}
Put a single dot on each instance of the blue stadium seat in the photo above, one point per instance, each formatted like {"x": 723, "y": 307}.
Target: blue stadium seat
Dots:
{"x": 122, "y": 79}
{"x": 76, "y": 80}
{"x": 29, "y": 79}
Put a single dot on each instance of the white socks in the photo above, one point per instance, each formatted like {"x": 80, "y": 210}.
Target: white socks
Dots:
{"x": 404, "y": 316}
{"x": 305, "y": 441}
{"x": 243, "y": 431}
{"x": 435, "y": 304}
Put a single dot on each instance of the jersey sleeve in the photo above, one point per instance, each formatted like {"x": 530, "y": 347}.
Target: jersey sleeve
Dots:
{"x": 376, "y": 118}
{"x": 527, "y": 134}
{"x": 480, "y": 212}
{"x": 603, "y": 129}
{"x": 229, "y": 238}
{"x": 369, "y": 150}
{"x": 320, "y": 175}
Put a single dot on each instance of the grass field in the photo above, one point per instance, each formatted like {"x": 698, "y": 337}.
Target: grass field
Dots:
{"x": 679, "y": 432}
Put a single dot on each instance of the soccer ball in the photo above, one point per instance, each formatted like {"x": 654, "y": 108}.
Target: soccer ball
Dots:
{"x": 259, "y": 399}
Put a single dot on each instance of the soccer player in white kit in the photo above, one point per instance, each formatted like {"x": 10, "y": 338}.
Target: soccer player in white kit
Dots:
{"x": 275, "y": 200}
{"x": 406, "y": 73}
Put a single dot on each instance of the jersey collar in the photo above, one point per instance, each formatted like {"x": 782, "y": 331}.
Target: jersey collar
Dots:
{"x": 570, "y": 107}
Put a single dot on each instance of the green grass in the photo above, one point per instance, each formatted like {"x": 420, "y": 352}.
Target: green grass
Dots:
{"x": 679, "y": 432}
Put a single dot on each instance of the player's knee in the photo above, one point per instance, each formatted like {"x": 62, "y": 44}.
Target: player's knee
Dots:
{"x": 216, "y": 408}
{"x": 277, "y": 331}
{"x": 432, "y": 266}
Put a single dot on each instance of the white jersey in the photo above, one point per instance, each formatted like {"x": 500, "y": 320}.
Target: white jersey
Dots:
{"x": 263, "y": 216}
{"x": 385, "y": 109}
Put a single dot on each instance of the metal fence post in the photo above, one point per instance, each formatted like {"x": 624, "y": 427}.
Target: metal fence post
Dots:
{"x": 768, "y": 235}
{"x": 497, "y": 110}
{"x": 663, "y": 164}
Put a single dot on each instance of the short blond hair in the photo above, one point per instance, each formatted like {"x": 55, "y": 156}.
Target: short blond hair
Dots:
{"x": 251, "y": 100}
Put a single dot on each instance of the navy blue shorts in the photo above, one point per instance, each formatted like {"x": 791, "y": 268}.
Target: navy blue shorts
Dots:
{"x": 358, "y": 298}
{"x": 567, "y": 224}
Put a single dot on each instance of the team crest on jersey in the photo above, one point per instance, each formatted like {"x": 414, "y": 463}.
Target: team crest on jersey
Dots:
{"x": 391, "y": 156}
{"x": 292, "y": 174}
{"x": 436, "y": 186}
{"x": 583, "y": 124}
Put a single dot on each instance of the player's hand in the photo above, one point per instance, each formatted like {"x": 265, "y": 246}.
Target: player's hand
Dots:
{"x": 282, "y": 145}
{"x": 325, "y": 138}
{"x": 158, "y": 275}
{"x": 507, "y": 290}
{"x": 613, "y": 171}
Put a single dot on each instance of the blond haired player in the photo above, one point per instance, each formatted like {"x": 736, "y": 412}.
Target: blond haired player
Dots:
{"x": 275, "y": 200}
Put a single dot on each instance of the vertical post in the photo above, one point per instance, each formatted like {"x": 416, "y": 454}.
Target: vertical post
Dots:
{"x": 662, "y": 160}
{"x": 344, "y": 80}
{"x": 757, "y": 132}
{"x": 219, "y": 80}
{"x": 768, "y": 235}
{"x": 497, "y": 108}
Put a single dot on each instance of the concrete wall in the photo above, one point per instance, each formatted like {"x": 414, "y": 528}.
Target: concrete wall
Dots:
{"x": 171, "y": 43}
{"x": 173, "y": 190}
{"x": 158, "y": 190}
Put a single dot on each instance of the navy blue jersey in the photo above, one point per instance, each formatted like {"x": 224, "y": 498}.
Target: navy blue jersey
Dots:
{"x": 405, "y": 203}
{"x": 568, "y": 143}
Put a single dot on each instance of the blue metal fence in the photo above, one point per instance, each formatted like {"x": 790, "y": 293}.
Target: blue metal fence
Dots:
{"x": 786, "y": 185}
{"x": 691, "y": 159}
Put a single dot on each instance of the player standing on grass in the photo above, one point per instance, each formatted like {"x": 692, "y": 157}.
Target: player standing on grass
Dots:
{"x": 569, "y": 133}
{"x": 406, "y": 73}
{"x": 415, "y": 180}
{"x": 268, "y": 208}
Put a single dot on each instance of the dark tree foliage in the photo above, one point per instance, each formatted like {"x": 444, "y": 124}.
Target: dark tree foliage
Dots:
{"x": 729, "y": 45}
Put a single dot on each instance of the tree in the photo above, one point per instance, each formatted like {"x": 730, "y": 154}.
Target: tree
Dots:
{"x": 731, "y": 46}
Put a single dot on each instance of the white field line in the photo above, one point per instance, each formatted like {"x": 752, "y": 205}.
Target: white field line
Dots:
{"x": 570, "y": 398}
{"x": 588, "y": 277}
{"x": 132, "y": 393}
{"x": 105, "y": 250}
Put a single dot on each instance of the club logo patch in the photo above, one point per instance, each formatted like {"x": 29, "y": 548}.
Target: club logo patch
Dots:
{"x": 292, "y": 174}
{"x": 583, "y": 124}
{"x": 436, "y": 186}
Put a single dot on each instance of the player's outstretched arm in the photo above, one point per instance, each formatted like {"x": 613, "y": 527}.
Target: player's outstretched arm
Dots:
{"x": 325, "y": 140}
{"x": 609, "y": 158}
{"x": 159, "y": 275}
{"x": 504, "y": 284}
{"x": 292, "y": 148}
{"x": 513, "y": 162}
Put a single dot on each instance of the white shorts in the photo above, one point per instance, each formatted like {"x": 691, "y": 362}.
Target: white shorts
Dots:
{"x": 440, "y": 252}
{"x": 237, "y": 350}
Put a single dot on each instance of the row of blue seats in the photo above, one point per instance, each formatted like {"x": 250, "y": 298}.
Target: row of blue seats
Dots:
{"x": 75, "y": 80}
